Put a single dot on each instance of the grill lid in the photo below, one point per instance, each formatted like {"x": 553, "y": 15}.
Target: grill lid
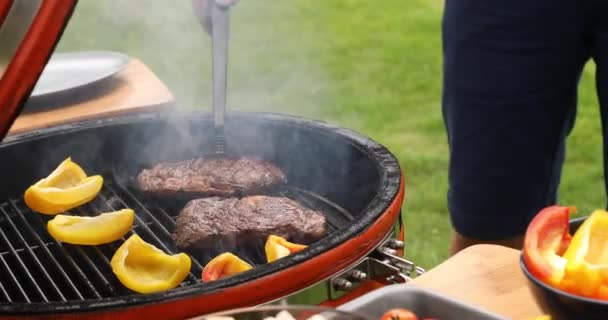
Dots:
{"x": 29, "y": 32}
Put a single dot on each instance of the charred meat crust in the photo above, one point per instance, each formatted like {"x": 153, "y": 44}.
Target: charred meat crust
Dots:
{"x": 211, "y": 176}
{"x": 208, "y": 221}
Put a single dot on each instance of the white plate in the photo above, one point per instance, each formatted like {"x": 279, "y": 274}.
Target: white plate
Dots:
{"x": 66, "y": 71}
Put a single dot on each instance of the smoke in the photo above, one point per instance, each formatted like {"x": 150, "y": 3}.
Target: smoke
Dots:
{"x": 271, "y": 66}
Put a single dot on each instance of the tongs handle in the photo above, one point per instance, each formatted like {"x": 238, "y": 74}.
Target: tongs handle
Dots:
{"x": 219, "y": 39}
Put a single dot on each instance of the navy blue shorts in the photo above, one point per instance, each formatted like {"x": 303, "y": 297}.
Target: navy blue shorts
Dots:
{"x": 511, "y": 70}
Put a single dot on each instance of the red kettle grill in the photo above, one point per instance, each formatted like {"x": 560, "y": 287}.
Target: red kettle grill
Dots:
{"x": 333, "y": 271}
{"x": 29, "y": 32}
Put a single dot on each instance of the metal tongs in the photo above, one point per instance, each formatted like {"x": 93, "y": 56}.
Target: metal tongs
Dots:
{"x": 219, "y": 38}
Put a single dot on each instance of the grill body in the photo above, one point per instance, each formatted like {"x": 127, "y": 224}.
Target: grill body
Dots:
{"x": 353, "y": 180}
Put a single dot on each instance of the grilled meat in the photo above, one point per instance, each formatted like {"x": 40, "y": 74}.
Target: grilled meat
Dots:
{"x": 211, "y": 177}
{"x": 229, "y": 222}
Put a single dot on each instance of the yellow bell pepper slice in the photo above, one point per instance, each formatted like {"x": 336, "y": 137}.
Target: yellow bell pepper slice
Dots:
{"x": 278, "y": 247}
{"x": 144, "y": 268}
{"x": 104, "y": 228}
{"x": 65, "y": 188}
{"x": 226, "y": 264}
{"x": 586, "y": 271}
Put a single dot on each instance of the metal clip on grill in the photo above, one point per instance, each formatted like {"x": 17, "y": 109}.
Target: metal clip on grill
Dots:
{"x": 383, "y": 264}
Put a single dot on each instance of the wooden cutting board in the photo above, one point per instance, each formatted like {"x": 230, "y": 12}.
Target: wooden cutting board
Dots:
{"x": 487, "y": 276}
{"x": 132, "y": 90}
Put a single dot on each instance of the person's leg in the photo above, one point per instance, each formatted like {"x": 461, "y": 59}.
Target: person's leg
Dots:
{"x": 600, "y": 56}
{"x": 511, "y": 70}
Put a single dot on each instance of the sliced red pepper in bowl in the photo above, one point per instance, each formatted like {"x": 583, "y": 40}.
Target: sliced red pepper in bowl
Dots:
{"x": 547, "y": 238}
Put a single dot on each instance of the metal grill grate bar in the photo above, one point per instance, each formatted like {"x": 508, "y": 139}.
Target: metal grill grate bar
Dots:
{"x": 79, "y": 270}
{"x": 25, "y": 270}
{"x": 73, "y": 263}
{"x": 145, "y": 227}
{"x": 16, "y": 282}
{"x": 6, "y": 253}
{"x": 5, "y": 293}
{"x": 33, "y": 256}
{"x": 142, "y": 224}
{"x": 102, "y": 255}
{"x": 48, "y": 253}
{"x": 95, "y": 270}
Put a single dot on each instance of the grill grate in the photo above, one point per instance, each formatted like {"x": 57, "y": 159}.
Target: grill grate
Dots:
{"x": 35, "y": 268}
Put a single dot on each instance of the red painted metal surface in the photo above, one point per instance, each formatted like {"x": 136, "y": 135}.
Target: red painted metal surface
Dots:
{"x": 30, "y": 58}
{"x": 5, "y": 5}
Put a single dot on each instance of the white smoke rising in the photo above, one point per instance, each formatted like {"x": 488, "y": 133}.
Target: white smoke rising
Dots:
{"x": 270, "y": 67}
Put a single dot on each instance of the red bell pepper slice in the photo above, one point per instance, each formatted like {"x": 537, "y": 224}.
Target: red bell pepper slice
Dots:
{"x": 546, "y": 240}
{"x": 224, "y": 265}
{"x": 278, "y": 247}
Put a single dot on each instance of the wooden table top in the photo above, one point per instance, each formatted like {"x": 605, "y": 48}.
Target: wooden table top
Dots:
{"x": 134, "y": 89}
{"x": 487, "y": 276}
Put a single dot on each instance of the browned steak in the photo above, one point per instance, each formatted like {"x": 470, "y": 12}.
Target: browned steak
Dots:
{"x": 211, "y": 177}
{"x": 213, "y": 221}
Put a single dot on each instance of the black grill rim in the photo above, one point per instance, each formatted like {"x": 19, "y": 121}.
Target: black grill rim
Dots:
{"x": 386, "y": 164}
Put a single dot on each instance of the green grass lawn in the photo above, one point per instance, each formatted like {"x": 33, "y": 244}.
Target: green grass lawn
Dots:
{"x": 373, "y": 68}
